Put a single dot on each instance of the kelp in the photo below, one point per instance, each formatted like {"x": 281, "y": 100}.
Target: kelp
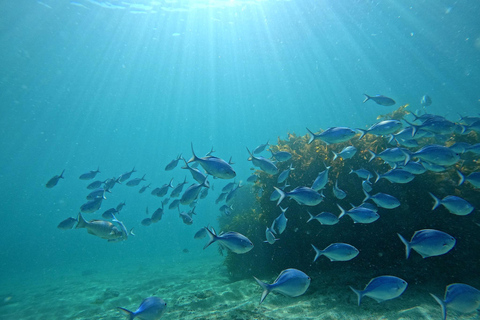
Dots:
{"x": 379, "y": 245}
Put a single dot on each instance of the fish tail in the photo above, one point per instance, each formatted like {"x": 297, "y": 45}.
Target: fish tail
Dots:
{"x": 373, "y": 155}
{"x": 462, "y": 178}
{"x": 407, "y": 157}
{"x": 335, "y": 155}
{"x": 128, "y": 313}
{"x": 194, "y": 157}
{"x": 367, "y": 97}
{"x": 442, "y": 304}
{"x": 81, "y": 222}
{"x": 408, "y": 247}
{"x": 391, "y": 138}
{"x": 266, "y": 289}
{"x": 311, "y": 217}
{"x": 251, "y": 154}
{"x": 318, "y": 253}
{"x": 61, "y": 174}
{"x": 359, "y": 294}
{"x": 342, "y": 211}
{"x": 212, "y": 236}
{"x": 282, "y": 195}
{"x": 437, "y": 201}
{"x": 378, "y": 176}
{"x": 362, "y": 133}
{"x": 312, "y": 136}
{"x": 367, "y": 196}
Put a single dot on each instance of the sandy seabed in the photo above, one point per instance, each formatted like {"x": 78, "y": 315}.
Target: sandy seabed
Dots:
{"x": 197, "y": 289}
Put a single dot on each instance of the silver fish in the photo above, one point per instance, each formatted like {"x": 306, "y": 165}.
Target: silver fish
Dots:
{"x": 290, "y": 282}
{"x": 53, "y": 181}
{"x": 234, "y": 241}
{"x": 382, "y": 288}
{"x": 151, "y": 308}
{"x": 337, "y": 252}
{"x": 454, "y": 204}
{"x": 379, "y": 99}
{"x": 429, "y": 243}
{"x": 214, "y": 166}
{"x": 459, "y": 297}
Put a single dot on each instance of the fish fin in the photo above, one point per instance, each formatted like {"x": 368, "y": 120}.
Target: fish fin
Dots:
{"x": 462, "y": 178}
{"x": 312, "y": 136}
{"x": 61, "y": 175}
{"x": 378, "y": 176}
{"x": 266, "y": 289}
{"x": 311, "y": 217}
{"x": 367, "y": 97}
{"x": 442, "y": 304}
{"x": 359, "y": 294}
{"x": 128, "y": 313}
{"x": 212, "y": 235}
{"x": 131, "y": 232}
{"x": 367, "y": 196}
{"x": 407, "y": 245}
{"x": 318, "y": 253}
{"x": 335, "y": 155}
{"x": 342, "y": 211}
{"x": 81, "y": 222}
{"x": 437, "y": 201}
{"x": 362, "y": 133}
{"x": 282, "y": 195}
{"x": 372, "y": 154}
{"x": 194, "y": 157}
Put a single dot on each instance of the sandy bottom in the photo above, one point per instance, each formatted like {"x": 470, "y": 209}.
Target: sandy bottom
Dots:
{"x": 195, "y": 288}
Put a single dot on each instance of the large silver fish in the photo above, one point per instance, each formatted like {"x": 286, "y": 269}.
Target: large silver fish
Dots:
{"x": 234, "y": 241}
{"x": 214, "y": 166}
{"x": 100, "y": 228}
{"x": 290, "y": 282}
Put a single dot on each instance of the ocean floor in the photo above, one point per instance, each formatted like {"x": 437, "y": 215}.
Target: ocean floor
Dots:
{"x": 195, "y": 287}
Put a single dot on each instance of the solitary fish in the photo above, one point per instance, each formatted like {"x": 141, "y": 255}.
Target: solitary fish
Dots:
{"x": 426, "y": 101}
{"x": 290, "y": 282}
{"x": 151, "y": 308}
{"x": 382, "y": 288}
{"x": 214, "y": 166}
{"x": 337, "y": 252}
{"x": 303, "y": 195}
{"x": 53, "y": 181}
{"x": 89, "y": 175}
{"x": 234, "y": 241}
{"x": 429, "y": 243}
{"x": 379, "y": 99}
{"x": 333, "y": 135}
{"x": 67, "y": 224}
{"x": 325, "y": 218}
{"x": 454, "y": 204}
{"x": 459, "y": 297}
{"x": 173, "y": 164}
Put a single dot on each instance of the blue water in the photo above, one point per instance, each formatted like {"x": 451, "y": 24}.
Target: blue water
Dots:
{"x": 84, "y": 84}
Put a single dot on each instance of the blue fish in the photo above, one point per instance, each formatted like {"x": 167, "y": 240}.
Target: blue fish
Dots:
{"x": 179, "y": 188}
{"x": 290, "y": 282}
{"x": 263, "y": 163}
{"x": 281, "y": 156}
{"x": 234, "y": 241}
{"x": 280, "y": 223}
{"x": 158, "y": 214}
{"x": 426, "y": 101}
{"x": 436, "y": 154}
{"x": 379, "y": 99}
{"x": 173, "y": 164}
{"x": 142, "y": 189}
{"x": 230, "y": 196}
{"x": 396, "y": 176}
{"x": 67, "y": 224}
{"x": 303, "y": 195}
{"x": 473, "y": 178}
{"x": 321, "y": 180}
{"x": 284, "y": 175}
{"x": 174, "y": 204}
{"x": 359, "y": 214}
{"x": 270, "y": 234}
{"x": 325, "y": 218}
{"x": 136, "y": 181}
{"x": 98, "y": 193}
{"x": 436, "y": 125}
{"x": 454, "y": 204}
{"x": 221, "y": 197}
{"x": 346, "y": 153}
{"x": 200, "y": 234}
{"x": 460, "y": 147}
{"x": 162, "y": 191}
{"x": 433, "y": 167}
{"x": 53, "y": 181}
{"x": 196, "y": 174}
{"x": 333, "y": 135}
{"x": 459, "y": 297}
{"x": 95, "y": 185}
{"x": 367, "y": 186}
{"x": 151, "y": 308}
{"x": 89, "y": 175}
{"x": 337, "y": 252}
{"x": 126, "y": 176}
{"x": 214, "y": 166}
{"x": 260, "y": 148}
{"x": 429, "y": 243}
{"x": 391, "y": 155}
{"x": 382, "y": 128}
{"x": 383, "y": 200}
{"x": 92, "y": 205}
{"x": 228, "y": 187}
{"x": 252, "y": 179}
{"x": 339, "y": 193}
{"x": 362, "y": 173}
{"x": 414, "y": 168}
{"x": 382, "y": 288}
{"x": 192, "y": 192}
